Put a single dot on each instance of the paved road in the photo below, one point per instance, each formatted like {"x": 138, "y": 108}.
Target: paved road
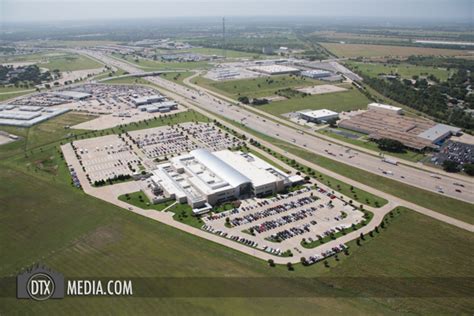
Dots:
{"x": 431, "y": 170}
{"x": 190, "y": 98}
{"x": 111, "y": 193}
{"x": 331, "y": 150}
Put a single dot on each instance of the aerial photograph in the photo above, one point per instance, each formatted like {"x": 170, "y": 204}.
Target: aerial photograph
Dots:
{"x": 236, "y": 157}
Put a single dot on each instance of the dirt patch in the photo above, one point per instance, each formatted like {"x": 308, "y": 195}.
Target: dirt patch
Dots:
{"x": 275, "y": 98}
{"x": 102, "y": 236}
{"x": 321, "y": 89}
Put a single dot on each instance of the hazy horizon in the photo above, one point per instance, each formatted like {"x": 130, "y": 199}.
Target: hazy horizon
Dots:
{"x": 73, "y": 10}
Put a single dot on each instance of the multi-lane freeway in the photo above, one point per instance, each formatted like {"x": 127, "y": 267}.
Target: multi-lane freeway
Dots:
{"x": 461, "y": 188}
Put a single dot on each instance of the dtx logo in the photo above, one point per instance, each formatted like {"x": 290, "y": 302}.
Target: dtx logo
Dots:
{"x": 40, "y": 283}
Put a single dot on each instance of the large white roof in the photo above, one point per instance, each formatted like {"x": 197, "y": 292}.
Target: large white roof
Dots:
{"x": 437, "y": 131}
{"x": 384, "y": 106}
{"x": 254, "y": 169}
{"x": 219, "y": 167}
{"x": 319, "y": 113}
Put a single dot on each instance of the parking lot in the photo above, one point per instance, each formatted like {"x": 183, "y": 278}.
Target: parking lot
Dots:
{"x": 106, "y": 157}
{"x": 114, "y": 105}
{"x": 279, "y": 224}
{"x": 164, "y": 142}
{"x": 455, "y": 151}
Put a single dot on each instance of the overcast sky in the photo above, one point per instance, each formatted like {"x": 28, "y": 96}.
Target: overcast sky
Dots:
{"x": 55, "y": 10}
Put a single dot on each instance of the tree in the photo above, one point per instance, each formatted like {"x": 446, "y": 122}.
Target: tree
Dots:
{"x": 271, "y": 263}
{"x": 289, "y": 265}
{"x": 469, "y": 169}
{"x": 332, "y": 122}
{"x": 450, "y": 166}
{"x": 244, "y": 100}
{"x": 391, "y": 145}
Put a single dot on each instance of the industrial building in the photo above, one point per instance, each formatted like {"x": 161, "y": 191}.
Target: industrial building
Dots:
{"x": 72, "y": 95}
{"x": 318, "y": 116}
{"x": 275, "y": 69}
{"x": 316, "y": 73}
{"x": 203, "y": 178}
{"x": 384, "y": 108}
{"x": 414, "y": 133}
{"x": 148, "y": 99}
{"x": 438, "y": 133}
{"x": 162, "y": 107}
{"x": 26, "y": 116}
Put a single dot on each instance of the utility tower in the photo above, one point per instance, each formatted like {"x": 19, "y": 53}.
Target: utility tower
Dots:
{"x": 223, "y": 38}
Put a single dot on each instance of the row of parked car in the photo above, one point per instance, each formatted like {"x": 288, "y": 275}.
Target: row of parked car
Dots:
{"x": 249, "y": 218}
{"x": 329, "y": 194}
{"x": 75, "y": 179}
{"x": 285, "y": 219}
{"x": 318, "y": 257}
{"x": 292, "y": 232}
{"x": 242, "y": 240}
{"x": 274, "y": 251}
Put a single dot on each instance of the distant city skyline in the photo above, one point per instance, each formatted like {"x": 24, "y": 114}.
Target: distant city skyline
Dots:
{"x": 54, "y": 10}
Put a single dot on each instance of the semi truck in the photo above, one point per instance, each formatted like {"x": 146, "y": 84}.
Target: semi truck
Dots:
{"x": 390, "y": 161}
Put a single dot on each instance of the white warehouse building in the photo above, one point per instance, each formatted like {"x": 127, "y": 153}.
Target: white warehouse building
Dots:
{"x": 385, "y": 108}
{"x": 316, "y": 73}
{"x": 203, "y": 179}
{"x": 318, "y": 116}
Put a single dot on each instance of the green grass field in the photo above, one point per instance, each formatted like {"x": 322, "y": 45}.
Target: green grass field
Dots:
{"x": 405, "y": 71}
{"x": 177, "y": 77}
{"x": 151, "y": 65}
{"x": 13, "y": 89}
{"x": 42, "y": 134}
{"x": 109, "y": 74}
{"x": 128, "y": 80}
{"x": 44, "y": 219}
{"x": 339, "y": 101}
{"x": 219, "y": 52}
{"x": 33, "y": 57}
{"x": 367, "y": 50}
{"x": 71, "y": 62}
{"x": 143, "y": 202}
{"x": 11, "y": 95}
{"x": 84, "y": 237}
{"x": 256, "y": 87}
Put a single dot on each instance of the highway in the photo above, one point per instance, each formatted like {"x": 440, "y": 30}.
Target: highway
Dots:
{"x": 459, "y": 188}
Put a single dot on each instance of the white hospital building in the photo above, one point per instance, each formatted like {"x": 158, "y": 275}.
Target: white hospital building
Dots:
{"x": 203, "y": 178}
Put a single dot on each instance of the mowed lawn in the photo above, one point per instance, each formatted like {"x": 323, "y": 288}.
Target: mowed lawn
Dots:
{"x": 84, "y": 237}
{"x": 367, "y": 50}
{"x": 71, "y": 62}
{"x": 337, "y": 101}
{"x": 177, "y": 77}
{"x": 405, "y": 71}
{"x": 10, "y": 95}
{"x": 220, "y": 52}
{"x": 151, "y": 65}
{"x": 255, "y": 87}
{"x": 42, "y": 134}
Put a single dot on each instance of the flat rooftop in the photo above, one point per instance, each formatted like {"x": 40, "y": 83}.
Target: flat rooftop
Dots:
{"x": 439, "y": 130}
{"x": 274, "y": 69}
{"x": 386, "y": 125}
{"x": 249, "y": 166}
{"x": 384, "y": 106}
{"x": 318, "y": 113}
{"x": 72, "y": 94}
